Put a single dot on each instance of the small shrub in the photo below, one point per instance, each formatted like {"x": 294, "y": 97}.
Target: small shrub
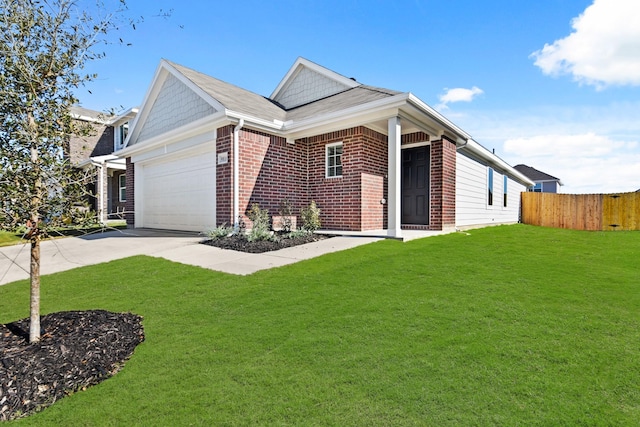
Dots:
{"x": 310, "y": 217}
{"x": 298, "y": 233}
{"x": 219, "y": 232}
{"x": 285, "y": 212}
{"x": 260, "y": 219}
{"x": 258, "y": 234}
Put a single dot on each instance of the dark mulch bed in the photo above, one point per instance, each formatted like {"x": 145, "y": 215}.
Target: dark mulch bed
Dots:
{"x": 239, "y": 243}
{"x": 77, "y": 349}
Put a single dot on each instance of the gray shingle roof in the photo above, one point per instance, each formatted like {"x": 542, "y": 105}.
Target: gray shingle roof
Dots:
{"x": 233, "y": 97}
{"x": 244, "y": 101}
{"x": 349, "y": 98}
{"x": 534, "y": 174}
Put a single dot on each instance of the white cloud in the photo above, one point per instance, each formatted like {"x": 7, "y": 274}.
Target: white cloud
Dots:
{"x": 586, "y": 163}
{"x": 459, "y": 95}
{"x": 603, "y": 49}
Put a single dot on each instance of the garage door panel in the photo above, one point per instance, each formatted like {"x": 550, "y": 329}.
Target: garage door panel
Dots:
{"x": 180, "y": 194}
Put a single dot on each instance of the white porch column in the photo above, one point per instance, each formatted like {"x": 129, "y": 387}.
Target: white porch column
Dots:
{"x": 395, "y": 131}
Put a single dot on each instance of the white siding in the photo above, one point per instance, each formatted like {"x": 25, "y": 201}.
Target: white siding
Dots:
{"x": 472, "y": 195}
{"x": 308, "y": 86}
{"x": 175, "y": 106}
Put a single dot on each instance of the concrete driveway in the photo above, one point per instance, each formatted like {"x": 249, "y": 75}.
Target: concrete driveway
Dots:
{"x": 72, "y": 252}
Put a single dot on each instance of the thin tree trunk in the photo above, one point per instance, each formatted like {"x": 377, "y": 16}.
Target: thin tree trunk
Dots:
{"x": 34, "y": 328}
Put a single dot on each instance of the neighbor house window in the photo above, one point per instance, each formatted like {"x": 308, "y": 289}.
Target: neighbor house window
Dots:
{"x": 490, "y": 187}
{"x": 537, "y": 188}
{"x": 122, "y": 188}
{"x": 504, "y": 191}
{"x": 121, "y": 135}
{"x": 334, "y": 160}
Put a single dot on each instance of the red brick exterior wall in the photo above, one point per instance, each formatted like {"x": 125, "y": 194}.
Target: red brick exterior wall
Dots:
{"x": 443, "y": 184}
{"x": 224, "y": 177}
{"x": 130, "y": 203}
{"x": 345, "y": 203}
{"x": 271, "y": 170}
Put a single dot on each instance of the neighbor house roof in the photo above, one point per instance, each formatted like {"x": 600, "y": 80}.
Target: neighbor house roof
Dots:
{"x": 534, "y": 174}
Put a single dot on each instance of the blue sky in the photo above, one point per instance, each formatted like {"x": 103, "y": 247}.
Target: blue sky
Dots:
{"x": 554, "y": 84}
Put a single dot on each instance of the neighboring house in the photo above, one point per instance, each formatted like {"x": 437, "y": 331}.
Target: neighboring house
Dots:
{"x": 201, "y": 151}
{"x": 544, "y": 183}
{"x": 96, "y": 152}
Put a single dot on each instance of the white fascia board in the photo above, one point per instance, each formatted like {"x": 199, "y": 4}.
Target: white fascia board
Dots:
{"x": 127, "y": 115}
{"x": 90, "y": 119}
{"x": 374, "y": 108}
{"x": 492, "y": 160}
{"x": 254, "y": 122}
{"x": 305, "y": 63}
{"x": 206, "y": 124}
{"x": 435, "y": 115}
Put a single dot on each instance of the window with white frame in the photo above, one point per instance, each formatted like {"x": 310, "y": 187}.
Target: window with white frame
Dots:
{"x": 490, "y": 187}
{"x": 504, "y": 191}
{"x": 121, "y": 135}
{"x": 334, "y": 160}
{"x": 122, "y": 188}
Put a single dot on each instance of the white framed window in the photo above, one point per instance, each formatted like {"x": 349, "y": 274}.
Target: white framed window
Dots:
{"x": 333, "y": 160}
{"x": 505, "y": 194}
{"x": 490, "y": 187}
{"x": 120, "y": 136}
{"x": 122, "y": 188}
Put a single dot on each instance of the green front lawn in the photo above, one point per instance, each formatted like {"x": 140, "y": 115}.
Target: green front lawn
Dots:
{"x": 512, "y": 325}
{"x": 8, "y": 238}
{"x": 12, "y": 238}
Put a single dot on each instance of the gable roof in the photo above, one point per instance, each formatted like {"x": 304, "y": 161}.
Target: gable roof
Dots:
{"x": 232, "y": 97}
{"x": 328, "y": 102}
{"x": 535, "y": 174}
{"x": 307, "y": 82}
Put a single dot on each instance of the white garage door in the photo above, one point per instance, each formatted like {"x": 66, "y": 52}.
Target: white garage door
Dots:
{"x": 180, "y": 194}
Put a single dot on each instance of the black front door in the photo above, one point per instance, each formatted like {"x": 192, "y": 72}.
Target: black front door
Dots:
{"x": 415, "y": 185}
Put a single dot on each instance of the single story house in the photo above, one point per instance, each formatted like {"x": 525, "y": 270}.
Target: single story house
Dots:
{"x": 95, "y": 152}
{"x": 201, "y": 151}
{"x": 544, "y": 183}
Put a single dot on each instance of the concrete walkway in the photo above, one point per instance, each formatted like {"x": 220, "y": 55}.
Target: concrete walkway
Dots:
{"x": 72, "y": 252}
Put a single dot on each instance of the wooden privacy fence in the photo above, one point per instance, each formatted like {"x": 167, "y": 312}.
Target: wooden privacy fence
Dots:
{"x": 593, "y": 212}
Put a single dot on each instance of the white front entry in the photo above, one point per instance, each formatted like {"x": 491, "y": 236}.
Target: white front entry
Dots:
{"x": 178, "y": 194}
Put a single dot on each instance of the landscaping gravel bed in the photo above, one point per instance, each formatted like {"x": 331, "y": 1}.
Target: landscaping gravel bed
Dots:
{"x": 240, "y": 243}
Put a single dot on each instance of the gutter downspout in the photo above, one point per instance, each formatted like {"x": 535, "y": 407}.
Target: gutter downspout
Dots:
{"x": 236, "y": 174}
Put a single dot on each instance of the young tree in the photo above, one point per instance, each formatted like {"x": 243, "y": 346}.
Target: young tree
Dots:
{"x": 44, "y": 46}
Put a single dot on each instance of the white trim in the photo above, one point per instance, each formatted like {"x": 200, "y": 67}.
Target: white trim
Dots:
{"x": 394, "y": 179}
{"x": 415, "y": 144}
{"x": 206, "y": 124}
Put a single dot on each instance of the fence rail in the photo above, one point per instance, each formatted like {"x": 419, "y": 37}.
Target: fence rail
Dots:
{"x": 595, "y": 212}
